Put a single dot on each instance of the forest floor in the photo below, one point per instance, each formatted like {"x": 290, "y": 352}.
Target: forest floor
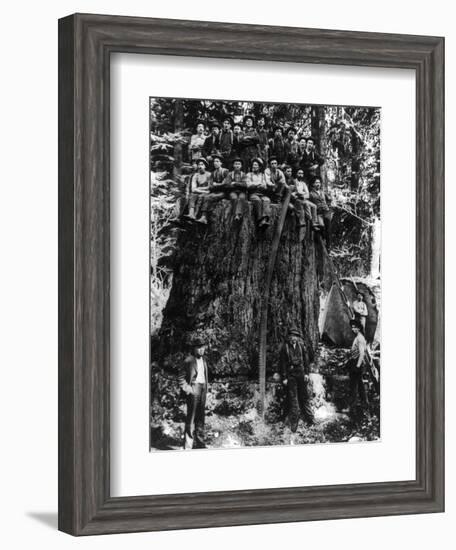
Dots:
{"x": 232, "y": 419}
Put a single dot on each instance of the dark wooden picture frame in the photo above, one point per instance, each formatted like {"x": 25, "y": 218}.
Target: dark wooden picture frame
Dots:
{"x": 85, "y": 45}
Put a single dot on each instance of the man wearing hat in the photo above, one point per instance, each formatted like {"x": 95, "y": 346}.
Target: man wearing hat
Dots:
{"x": 277, "y": 146}
{"x": 310, "y": 160}
{"x": 324, "y": 212}
{"x": 197, "y": 142}
{"x": 215, "y": 191}
{"x": 360, "y": 310}
{"x": 263, "y": 136}
{"x": 237, "y": 141}
{"x": 256, "y": 186}
{"x": 275, "y": 180}
{"x": 292, "y": 148}
{"x": 236, "y": 183}
{"x": 301, "y": 193}
{"x": 212, "y": 143}
{"x": 193, "y": 378}
{"x": 295, "y": 376}
{"x": 250, "y": 148}
{"x": 219, "y": 173}
{"x": 226, "y": 139}
{"x": 295, "y": 205}
{"x": 356, "y": 366}
{"x": 199, "y": 190}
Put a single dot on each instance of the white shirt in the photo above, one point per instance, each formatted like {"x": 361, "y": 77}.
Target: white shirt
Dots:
{"x": 200, "y": 374}
{"x": 302, "y": 188}
{"x": 360, "y": 308}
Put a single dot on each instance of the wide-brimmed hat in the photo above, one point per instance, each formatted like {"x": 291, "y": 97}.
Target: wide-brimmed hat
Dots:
{"x": 273, "y": 158}
{"x": 295, "y": 332}
{"x": 202, "y": 159}
{"x": 252, "y": 118}
{"x": 229, "y": 118}
{"x": 198, "y": 122}
{"x": 291, "y": 128}
{"x": 213, "y": 123}
{"x": 236, "y": 159}
{"x": 259, "y": 160}
{"x": 197, "y": 342}
{"x": 277, "y": 128}
{"x": 217, "y": 156}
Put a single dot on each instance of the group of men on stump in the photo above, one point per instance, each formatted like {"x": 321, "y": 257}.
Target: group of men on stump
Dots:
{"x": 294, "y": 375}
{"x": 245, "y": 164}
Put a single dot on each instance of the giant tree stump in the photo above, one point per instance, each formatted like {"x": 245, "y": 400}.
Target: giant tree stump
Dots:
{"x": 218, "y": 287}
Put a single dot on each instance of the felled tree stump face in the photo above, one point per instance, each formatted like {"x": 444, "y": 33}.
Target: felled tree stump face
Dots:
{"x": 218, "y": 285}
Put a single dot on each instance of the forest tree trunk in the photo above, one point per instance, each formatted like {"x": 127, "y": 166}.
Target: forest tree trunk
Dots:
{"x": 218, "y": 286}
{"x": 322, "y": 145}
{"x": 178, "y": 127}
{"x": 355, "y": 163}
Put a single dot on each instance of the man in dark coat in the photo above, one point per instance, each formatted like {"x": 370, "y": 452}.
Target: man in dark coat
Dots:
{"x": 324, "y": 213}
{"x": 219, "y": 173}
{"x": 263, "y": 136}
{"x": 250, "y": 148}
{"x": 212, "y": 143}
{"x": 310, "y": 161}
{"x": 193, "y": 378}
{"x": 292, "y": 156}
{"x": 295, "y": 376}
{"x": 226, "y": 139}
{"x": 237, "y": 142}
{"x": 277, "y": 146}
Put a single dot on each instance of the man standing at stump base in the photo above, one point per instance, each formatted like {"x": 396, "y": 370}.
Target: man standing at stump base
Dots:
{"x": 356, "y": 366}
{"x": 295, "y": 377}
{"x": 193, "y": 382}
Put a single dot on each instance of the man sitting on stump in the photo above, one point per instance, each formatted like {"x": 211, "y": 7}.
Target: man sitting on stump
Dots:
{"x": 323, "y": 204}
{"x": 203, "y": 192}
{"x": 219, "y": 173}
{"x": 295, "y": 204}
{"x": 275, "y": 180}
{"x": 193, "y": 378}
{"x": 237, "y": 186}
{"x": 256, "y": 187}
{"x": 199, "y": 190}
{"x": 295, "y": 376}
{"x": 300, "y": 193}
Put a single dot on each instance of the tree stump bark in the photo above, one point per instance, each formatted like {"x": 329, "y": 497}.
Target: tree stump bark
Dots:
{"x": 218, "y": 287}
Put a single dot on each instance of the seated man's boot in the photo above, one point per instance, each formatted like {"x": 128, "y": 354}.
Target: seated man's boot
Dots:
{"x": 202, "y": 219}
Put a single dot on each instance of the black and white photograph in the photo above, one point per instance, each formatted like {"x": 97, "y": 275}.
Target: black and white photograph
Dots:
{"x": 265, "y": 274}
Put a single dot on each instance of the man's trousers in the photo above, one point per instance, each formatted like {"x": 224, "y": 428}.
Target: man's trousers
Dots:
{"x": 261, "y": 206}
{"x": 299, "y": 399}
{"x": 238, "y": 200}
{"x": 357, "y": 388}
{"x": 194, "y": 423}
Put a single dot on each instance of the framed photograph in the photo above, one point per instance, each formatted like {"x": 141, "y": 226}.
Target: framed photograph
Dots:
{"x": 251, "y": 274}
